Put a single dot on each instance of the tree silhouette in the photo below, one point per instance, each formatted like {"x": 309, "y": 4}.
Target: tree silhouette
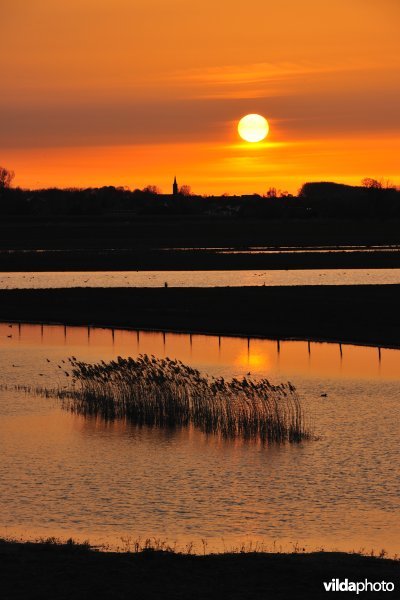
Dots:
{"x": 272, "y": 193}
{"x": 185, "y": 190}
{"x": 370, "y": 183}
{"x": 151, "y": 189}
{"x": 6, "y": 177}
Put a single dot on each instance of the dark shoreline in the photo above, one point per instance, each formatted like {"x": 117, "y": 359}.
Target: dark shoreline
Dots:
{"x": 63, "y": 571}
{"x": 365, "y": 315}
{"x": 151, "y": 242}
{"x": 192, "y": 260}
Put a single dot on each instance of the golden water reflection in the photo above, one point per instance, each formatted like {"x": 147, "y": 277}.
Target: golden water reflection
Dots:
{"x": 63, "y": 474}
{"x": 257, "y": 356}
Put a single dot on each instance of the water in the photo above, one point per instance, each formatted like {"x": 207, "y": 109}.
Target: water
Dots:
{"x": 67, "y": 475}
{"x": 238, "y": 278}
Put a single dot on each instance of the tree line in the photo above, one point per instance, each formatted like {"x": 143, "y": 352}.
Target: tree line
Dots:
{"x": 372, "y": 199}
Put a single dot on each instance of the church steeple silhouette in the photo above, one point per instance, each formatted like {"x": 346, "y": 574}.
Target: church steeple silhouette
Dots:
{"x": 175, "y": 187}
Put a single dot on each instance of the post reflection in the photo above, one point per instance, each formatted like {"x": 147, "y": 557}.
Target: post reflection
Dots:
{"x": 261, "y": 357}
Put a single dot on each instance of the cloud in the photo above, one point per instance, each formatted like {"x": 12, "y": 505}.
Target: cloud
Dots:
{"x": 292, "y": 117}
{"x": 247, "y": 80}
{"x": 301, "y": 100}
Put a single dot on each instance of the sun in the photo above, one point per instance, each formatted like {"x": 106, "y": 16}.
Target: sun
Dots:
{"x": 253, "y": 128}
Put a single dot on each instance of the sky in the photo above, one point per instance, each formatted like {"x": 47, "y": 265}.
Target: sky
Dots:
{"x": 133, "y": 92}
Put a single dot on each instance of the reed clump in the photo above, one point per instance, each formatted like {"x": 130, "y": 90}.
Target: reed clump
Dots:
{"x": 167, "y": 393}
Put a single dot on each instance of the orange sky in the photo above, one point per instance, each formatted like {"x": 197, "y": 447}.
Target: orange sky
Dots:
{"x": 130, "y": 92}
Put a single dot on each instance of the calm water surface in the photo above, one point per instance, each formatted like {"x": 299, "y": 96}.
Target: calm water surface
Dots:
{"x": 231, "y": 278}
{"x": 63, "y": 474}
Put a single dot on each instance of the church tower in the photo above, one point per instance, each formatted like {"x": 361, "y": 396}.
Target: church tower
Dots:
{"x": 175, "y": 188}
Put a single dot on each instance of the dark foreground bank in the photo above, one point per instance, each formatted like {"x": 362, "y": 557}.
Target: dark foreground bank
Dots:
{"x": 60, "y": 572}
{"x": 359, "y": 314}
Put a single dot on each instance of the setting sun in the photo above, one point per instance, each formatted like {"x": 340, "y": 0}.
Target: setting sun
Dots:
{"x": 253, "y": 128}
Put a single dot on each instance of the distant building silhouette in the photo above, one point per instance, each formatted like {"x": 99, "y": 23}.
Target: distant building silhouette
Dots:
{"x": 175, "y": 190}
